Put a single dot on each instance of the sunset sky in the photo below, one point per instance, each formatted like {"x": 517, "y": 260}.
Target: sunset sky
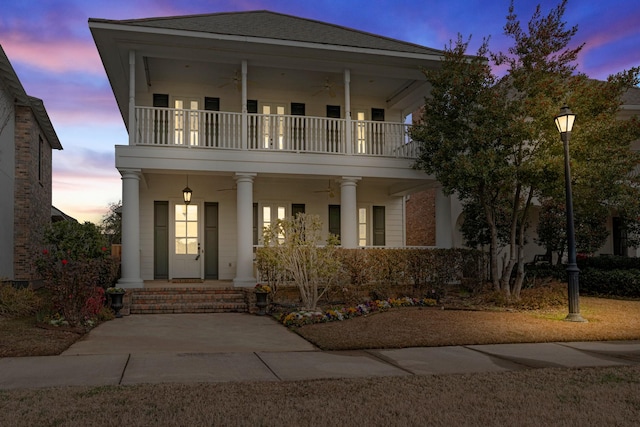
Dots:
{"x": 50, "y": 47}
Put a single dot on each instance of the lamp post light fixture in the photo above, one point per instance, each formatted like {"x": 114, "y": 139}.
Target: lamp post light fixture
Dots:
{"x": 186, "y": 193}
{"x": 564, "y": 122}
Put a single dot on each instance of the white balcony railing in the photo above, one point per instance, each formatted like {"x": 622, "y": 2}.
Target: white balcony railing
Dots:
{"x": 223, "y": 130}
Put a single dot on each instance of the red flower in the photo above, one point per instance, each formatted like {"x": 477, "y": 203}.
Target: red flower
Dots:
{"x": 64, "y": 262}
{"x": 104, "y": 249}
{"x": 45, "y": 252}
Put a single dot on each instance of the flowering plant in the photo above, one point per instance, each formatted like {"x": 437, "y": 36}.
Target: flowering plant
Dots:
{"x": 303, "y": 317}
{"x": 76, "y": 267}
{"x": 264, "y": 289}
{"x": 114, "y": 290}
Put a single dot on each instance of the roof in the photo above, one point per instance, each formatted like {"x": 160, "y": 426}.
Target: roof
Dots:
{"x": 57, "y": 215}
{"x": 272, "y": 25}
{"x": 12, "y": 82}
{"x": 631, "y": 96}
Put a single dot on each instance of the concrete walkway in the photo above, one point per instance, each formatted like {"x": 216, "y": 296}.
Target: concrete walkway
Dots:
{"x": 189, "y": 348}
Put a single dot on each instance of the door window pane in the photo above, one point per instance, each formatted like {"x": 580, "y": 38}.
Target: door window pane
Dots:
{"x": 186, "y": 229}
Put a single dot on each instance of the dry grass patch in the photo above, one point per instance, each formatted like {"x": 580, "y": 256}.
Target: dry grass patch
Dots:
{"x": 554, "y": 397}
{"x": 23, "y": 337}
{"x": 417, "y": 327}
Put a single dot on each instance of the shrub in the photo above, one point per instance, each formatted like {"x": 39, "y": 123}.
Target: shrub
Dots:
{"x": 295, "y": 242}
{"x": 609, "y": 262}
{"x": 18, "y": 302}
{"x": 76, "y": 267}
{"x": 622, "y": 283}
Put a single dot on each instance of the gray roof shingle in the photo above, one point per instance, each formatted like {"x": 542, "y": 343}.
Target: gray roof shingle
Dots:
{"x": 272, "y": 25}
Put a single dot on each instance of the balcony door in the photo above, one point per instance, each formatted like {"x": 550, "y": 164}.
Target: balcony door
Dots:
{"x": 273, "y": 126}
{"x": 186, "y": 251}
{"x": 186, "y": 126}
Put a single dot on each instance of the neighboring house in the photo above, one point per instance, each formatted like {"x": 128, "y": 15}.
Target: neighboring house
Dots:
{"x": 57, "y": 216}
{"x": 262, "y": 115}
{"x": 431, "y": 206}
{"x": 27, "y": 139}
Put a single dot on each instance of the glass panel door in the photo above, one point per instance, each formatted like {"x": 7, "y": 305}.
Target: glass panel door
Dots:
{"x": 186, "y": 122}
{"x": 186, "y": 253}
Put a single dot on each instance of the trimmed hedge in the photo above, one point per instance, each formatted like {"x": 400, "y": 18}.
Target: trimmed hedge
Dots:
{"x": 621, "y": 283}
{"x": 603, "y": 275}
{"x": 426, "y": 271}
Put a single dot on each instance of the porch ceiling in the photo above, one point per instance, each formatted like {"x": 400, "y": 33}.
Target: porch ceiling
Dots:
{"x": 392, "y": 76}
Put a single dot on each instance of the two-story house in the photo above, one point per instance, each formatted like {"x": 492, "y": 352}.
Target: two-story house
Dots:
{"x": 27, "y": 139}
{"x": 256, "y": 116}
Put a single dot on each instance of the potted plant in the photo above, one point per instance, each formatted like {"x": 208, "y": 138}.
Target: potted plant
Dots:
{"x": 262, "y": 292}
{"x": 115, "y": 299}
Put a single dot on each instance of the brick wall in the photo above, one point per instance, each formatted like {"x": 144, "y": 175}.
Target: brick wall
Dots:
{"x": 32, "y": 193}
{"x": 421, "y": 218}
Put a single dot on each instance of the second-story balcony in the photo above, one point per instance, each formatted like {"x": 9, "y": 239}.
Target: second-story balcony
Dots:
{"x": 268, "y": 132}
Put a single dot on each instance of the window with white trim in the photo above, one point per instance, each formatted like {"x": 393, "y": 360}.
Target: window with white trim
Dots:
{"x": 271, "y": 213}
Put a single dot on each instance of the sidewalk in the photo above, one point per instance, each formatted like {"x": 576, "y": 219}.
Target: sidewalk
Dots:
{"x": 240, "y": 347}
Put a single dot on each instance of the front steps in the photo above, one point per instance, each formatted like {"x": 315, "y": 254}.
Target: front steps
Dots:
{"x": 187, "y": 300}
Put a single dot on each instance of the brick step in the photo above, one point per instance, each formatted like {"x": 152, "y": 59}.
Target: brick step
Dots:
{"x": 175, "y": 308}
{"x": 144, "y": 299}
{"x": 187, "y": 300}
{"x": 187, "y": 291}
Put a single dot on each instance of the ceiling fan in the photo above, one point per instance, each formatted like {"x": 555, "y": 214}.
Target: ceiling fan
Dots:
{"x": 328, "y": 190}
{"x": 228, "y": 189}
{"x": 235, "y": 80}
{"x": 328, "y": 86}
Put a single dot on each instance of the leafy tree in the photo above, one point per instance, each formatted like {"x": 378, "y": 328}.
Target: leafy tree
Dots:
{"x": 493, "y": 143}
{"x": 112, "y": 223}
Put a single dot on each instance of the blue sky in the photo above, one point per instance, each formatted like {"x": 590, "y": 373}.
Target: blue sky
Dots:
{"x": 49, "y": 45}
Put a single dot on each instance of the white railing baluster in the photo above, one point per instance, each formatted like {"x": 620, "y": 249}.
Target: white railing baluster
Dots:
{"x": 299, "y": 134}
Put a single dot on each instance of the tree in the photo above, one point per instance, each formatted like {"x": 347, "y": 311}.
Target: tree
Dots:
{"x": 492, "y": 140}
{"x": 112, "y": 223}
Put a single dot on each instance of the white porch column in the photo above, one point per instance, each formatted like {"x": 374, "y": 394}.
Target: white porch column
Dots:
{"x": 244, "y": 143}
{"x": 244, "y": 259}
{"x": 348, "y": 212}
{"x": 444, "y": 222}
{"x": 347, "y": 110}
{"x": 132, "y": 97}
{"x": 130, "y": 260}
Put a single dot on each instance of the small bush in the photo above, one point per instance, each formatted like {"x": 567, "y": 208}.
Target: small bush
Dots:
{"x": 76, "y": 268}
{"x": 622, "y": 283}
{"x": 18, "y": 302}
{"x": 609, "y": 262}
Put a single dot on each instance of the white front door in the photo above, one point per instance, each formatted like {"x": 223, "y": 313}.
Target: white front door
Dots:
{"x": 187, "y": 251}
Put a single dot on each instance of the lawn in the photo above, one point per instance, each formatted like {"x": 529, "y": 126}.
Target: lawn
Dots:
{"x": 608, "y": 319}
{"x": 594, "y": 396}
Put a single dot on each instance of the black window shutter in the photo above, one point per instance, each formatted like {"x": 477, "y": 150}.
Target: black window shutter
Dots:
{"x": 334, "y": 220}
{"x": 161, "y": 100}
{"x": 333, "y": 111}
{"x": 252, "y": 106}
{"x": 378, "y": 226}
{"x": 297, "y": 109}
{"x": 297, "y": 208}
{"x": 211, "y": 104}
{"x": 377, "y": 114}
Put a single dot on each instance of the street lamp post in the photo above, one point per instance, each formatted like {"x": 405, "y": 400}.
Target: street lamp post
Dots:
{"x": 564, "y": 122}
